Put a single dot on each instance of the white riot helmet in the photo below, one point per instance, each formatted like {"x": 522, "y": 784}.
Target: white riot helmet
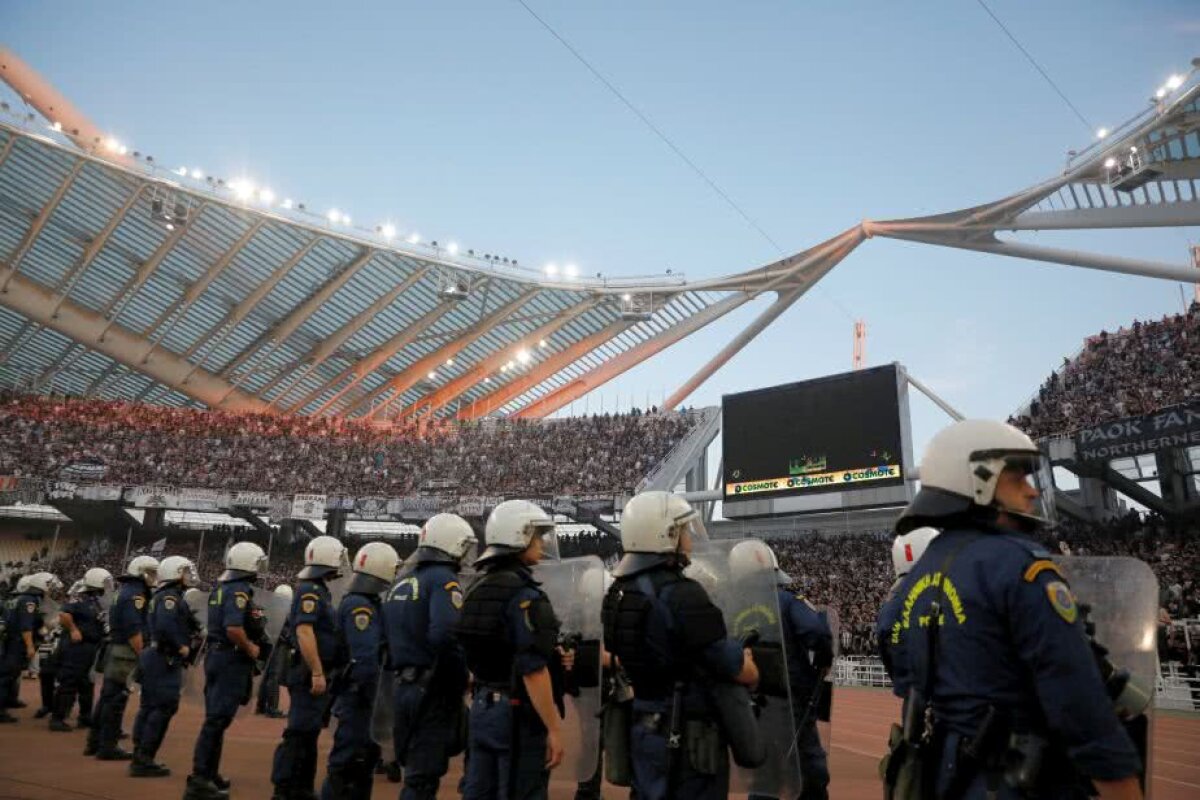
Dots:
{"x": 445, "y": 538}
{"x": 77, "y": 588}
{"x": 325, "y": 557}
{"x": 907, "y": 548}
{"x": 142, "y": 568}
{"x": 652, "y": 528}
{"x": 511, "y": 527}
{"x": 43, "y": 583}
{"x": 22, "y": 584}
{"x": 752, "y": 557}
{"x": 375, "y": 566}
{"x": 177, "y": 568}
{"x": 97, "y": 579}
{"x": 283, "y": 590}
{"x": 961, "y": 468}
{"x": 243, "y": 561}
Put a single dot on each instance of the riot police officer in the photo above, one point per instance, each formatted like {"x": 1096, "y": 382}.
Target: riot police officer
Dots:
{"x": 48, "y": 654}
{"x": 360, "y": 625}
{"x": 22, "y": 624}
{"x": 993, "y": 644}
{"x": 808, "y": 642}
{"x": 127, "y": 633}
{"x": 671, "y": 640}
{"x": 314, "y": 658}
{"x": 509, "y": 635}
{"x": 421, "y": 613}
{"x": 228, "y": 666}
{"x": 83, "y": 622}
{"x": 907, "y": 549}
{"x": 172, "y": 636}
{"x": 268, "y": 687}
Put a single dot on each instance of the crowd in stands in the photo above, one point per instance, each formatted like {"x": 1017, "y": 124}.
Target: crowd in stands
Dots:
{"x": 1134, "y": 371}
{"x": 133, "y": 444}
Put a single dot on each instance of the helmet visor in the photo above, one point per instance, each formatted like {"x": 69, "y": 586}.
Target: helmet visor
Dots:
{"x": 1018, "y": 483}
{"x": 549, "y": 537}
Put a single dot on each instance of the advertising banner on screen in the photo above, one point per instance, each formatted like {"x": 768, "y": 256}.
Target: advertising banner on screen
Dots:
{"x": 1177, "y": 426}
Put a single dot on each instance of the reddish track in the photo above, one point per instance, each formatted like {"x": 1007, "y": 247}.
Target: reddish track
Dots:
{"x": 38, "y": 765}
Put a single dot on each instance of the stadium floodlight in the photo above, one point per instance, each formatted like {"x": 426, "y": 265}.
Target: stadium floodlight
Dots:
{"x": 170, "y": 227}
{"x": 542, "y": 344}
{"x": 1110, "y": 163}
{"x": 1102, "y": 133}
{"x": 504, "y": 367}
{"x": 510, "y": 365}
{"x": 524, "y": 356}
{"x": 388, "y": 230}
{"x": 334, "y": 216}
{"x": 1161, "y": 93}
{"x": 627, "y": 297}
{"x": 414, "y": 238}
{"x": 552, "y": 270}
{"x": 452, "y": 248}
{"x": 56, "y": 126}
{"x": 571, "y": 271}
{"x": 487, "y": 378}
{"x": 287, "y": 203}
{"x": 197, "y": 173}
{"x": 449, "y": 362}
{"x": 266, "y": 196}
{"x": 1174, "y": 82}
{"x": 182, "y": 172}
{"x": 433, "y": 376}
{"x": 242, "y": 189}
{"x": 346, "y": 219}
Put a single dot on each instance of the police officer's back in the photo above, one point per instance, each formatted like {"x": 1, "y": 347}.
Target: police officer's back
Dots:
{"x": 19, "y": 640}
{"x": 422, "y": 612}
{"x": 907, "y": 549}
{"x": 671, "y": 640}
{"x": 316, "y": 654}
{"x": 509, "y": 632}
{"x": 989, "y": 633}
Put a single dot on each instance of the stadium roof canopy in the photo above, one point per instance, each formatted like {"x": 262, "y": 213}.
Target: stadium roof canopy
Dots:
{"x": 121, "y": 277}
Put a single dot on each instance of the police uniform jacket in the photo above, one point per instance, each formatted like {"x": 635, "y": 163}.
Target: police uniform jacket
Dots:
{"x": 24, "y": 616}
{"x": 313, "y": 605}
{"x": 169, "y": 620}
{"x": 421, "y": 614}
{"x": 88, "y": 615}
{"x": 228, "y": 607}
{"x": 128, "y": 616}
{"x": 808, "y": 641}
{"x": 361, "y": 626}
{"x": 1011, "y": 637}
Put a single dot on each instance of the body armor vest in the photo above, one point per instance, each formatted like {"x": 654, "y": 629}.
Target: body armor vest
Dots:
{"x": 482, "y": 629}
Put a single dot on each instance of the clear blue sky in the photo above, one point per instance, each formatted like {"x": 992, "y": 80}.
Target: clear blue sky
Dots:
{"x": 468, "y": 121}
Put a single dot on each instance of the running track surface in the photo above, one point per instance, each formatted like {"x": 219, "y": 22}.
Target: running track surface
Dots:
{"x": 38, "y": 765}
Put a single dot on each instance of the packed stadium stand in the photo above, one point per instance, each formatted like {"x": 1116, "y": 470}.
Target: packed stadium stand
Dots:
{"x": 1133, "y": 371}
{"x": 130, "y": 443}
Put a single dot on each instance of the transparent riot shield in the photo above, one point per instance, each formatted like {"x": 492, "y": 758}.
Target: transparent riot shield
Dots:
{"x": 747, "y": 593}
{"x": 575, "y": 587}
{"x": 383, "y": 714}
{"x": 275, "y": 609}
{"x": 823, "y": 702}
{"x": 1119, "y": 596}
{"x": 193, "y": 675}
{"x": 338, "y": 586}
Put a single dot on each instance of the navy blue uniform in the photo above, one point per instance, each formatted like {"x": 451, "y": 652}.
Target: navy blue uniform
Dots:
{"x": 808, "y": 642}
{"x": 421, "y": 613}
{"x": 679, "y": 636}
{"x": 1011, "y": 638}
{"x": 891, "y": 653}
{"x": 508, "y": 631}
{"x": 295, "y": 764}
{"x": 171, "y": 628}
{"x": 23, "y": 615}
{"x": 228, "y": 673}
{"x": 126, "y": 620}
{"x": 354, "y": 753}
{"x": 75, "y": 671}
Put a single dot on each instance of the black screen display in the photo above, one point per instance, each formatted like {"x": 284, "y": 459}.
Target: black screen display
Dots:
{"x": 824, "y": 435}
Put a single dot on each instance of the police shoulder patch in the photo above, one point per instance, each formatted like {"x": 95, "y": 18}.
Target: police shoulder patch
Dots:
{"x": 169, "y": 603}
{"x": 456, "y": 598}
{"x": 1040, "y": 566}
{"x": 1063, "y": 601}
{"x": 308, "y": 606}
{"x": 31, "y": 607}
{"x": 138, "y": 602}
{"x": 451, "y": 585}
{"x": 240, "y": 600}
{"x": 362, "y": 621}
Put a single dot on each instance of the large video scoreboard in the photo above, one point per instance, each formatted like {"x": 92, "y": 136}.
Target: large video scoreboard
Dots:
{"x": 837, "y": 442}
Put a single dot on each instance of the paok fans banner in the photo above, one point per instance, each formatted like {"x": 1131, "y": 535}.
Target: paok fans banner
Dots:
{"x": 1177, "y": 426}
{"x": 308, "y": 506}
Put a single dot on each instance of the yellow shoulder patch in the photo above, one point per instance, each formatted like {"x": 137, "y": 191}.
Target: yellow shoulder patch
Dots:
{"x": 308, "y": 605}
{"x": 1040, "y": 566}
{"x": 524, "y": 604}
{"x": 363, "y": 610}
{"x": 1062, "y": 601}
{"x": 451, "y": 585}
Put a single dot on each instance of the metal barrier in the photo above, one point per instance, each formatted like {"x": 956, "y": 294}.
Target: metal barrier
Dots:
{"x": 1178, "y": 686}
